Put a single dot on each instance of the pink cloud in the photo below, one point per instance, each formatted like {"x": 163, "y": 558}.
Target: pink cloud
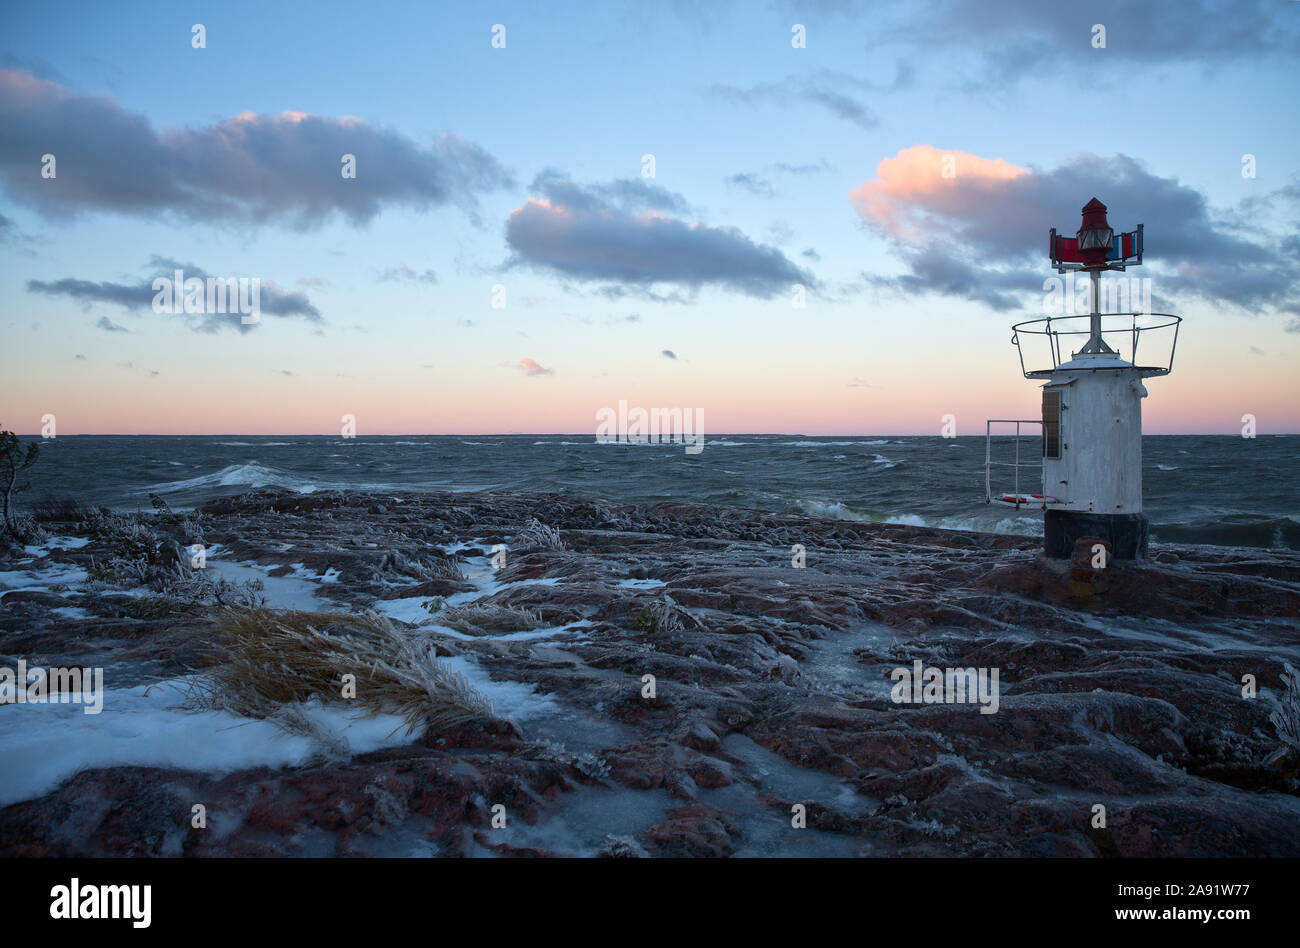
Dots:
{"x": 922, "y": 181}
{"x": 529, "y": 367}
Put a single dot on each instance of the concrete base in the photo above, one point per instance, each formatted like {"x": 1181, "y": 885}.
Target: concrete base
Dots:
{"x": 1127, "y": 533}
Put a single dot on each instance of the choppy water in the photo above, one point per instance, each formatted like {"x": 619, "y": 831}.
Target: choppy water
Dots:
{"x": 1198, "y": 489}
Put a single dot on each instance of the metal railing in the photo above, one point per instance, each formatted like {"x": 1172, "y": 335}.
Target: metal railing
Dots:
{"x": 1116, "y": 328}
{"x": 989, "y": 463}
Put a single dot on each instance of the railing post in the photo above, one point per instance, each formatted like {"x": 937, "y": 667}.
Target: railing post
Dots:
{"x": 1042, "y": 469}
{"x": 1017, "y": 465}
{"x": 988, "y": 439}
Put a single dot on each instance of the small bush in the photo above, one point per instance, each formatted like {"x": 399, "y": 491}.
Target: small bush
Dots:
{"x": 60, "y": 510}
{"x": 664, "y": 616}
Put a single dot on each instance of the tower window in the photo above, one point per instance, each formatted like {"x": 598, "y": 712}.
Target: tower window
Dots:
{"x": 1051, "y": 424}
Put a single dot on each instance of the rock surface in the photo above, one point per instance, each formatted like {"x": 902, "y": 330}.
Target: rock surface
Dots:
{"x": 771, "y": 729}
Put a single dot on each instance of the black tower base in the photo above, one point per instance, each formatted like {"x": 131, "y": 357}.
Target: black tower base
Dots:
{"x": 1127, "y": 533}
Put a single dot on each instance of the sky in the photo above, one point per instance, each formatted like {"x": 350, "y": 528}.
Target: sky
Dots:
{"x": 816, "y": 218}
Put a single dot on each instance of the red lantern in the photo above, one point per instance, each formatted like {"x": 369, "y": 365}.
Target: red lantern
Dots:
{"x": 1095, "y": 236}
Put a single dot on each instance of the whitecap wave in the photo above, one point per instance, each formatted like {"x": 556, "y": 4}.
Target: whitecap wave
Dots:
{"x": 836, "y": 510}
{"x": 236, "y": 475}
{"x": 827, "y": 444}
{"x": 1028, "y": 526}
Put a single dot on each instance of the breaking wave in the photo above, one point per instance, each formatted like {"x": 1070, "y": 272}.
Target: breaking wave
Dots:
{"x": 1017, "y": 526}
{"x": 237, "y": 475}
{"x": 1279, "y": 533}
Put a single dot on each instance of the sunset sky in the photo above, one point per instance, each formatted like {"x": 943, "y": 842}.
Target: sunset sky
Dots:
{"x": 525, "y": 167}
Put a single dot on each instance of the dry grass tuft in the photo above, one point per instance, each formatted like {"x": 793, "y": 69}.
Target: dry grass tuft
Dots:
{"x": 444, "y": 568}
{"x": 261, "y": 662}
{"x": 536, "y": 536}
{"x": 486, "y": 618}
{"x": 665, "y": 616}
{"x": 1286, "y": 717}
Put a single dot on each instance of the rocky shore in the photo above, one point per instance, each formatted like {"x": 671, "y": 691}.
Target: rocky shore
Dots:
{"x": 669, "y": 683}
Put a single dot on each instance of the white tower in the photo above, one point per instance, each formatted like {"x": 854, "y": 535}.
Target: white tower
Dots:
{"x": 1092, "y": 399}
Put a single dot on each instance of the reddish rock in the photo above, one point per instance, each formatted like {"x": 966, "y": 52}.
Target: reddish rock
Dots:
{"x": 694, "y": 831}
{"x": 709, "y": 772}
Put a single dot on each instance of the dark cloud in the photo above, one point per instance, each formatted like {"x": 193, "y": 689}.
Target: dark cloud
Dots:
{"x": 825, "y": 90}
{"x": 620, "y": 235}
{"x": 642, "y": 293}
{"x": 751, "y": 183}
{"x": 669, "y": 354}
{"x": 87, "y": 291}
{"x": 1028, "y": 34}
{"x": 246, "y": 169}
{"x": 631, "y": 194}
{"x": 936, "y": 269}
{"x": 817, "y": 167}
{"x": 11, "y": 235}
{"x": 842, "y": 106}
{"x": 38, "y": 67}
{"x": 1009, "y": 41}
{"x": 811, "y": 253}
{"x": 139, "y": 297}
{"x": 108, "y": 325}
{"x": 759, "y": 185}
{"x": 402, "y": 272}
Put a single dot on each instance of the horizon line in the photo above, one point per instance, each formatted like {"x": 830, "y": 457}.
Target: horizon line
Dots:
{"x": 572, "y": 434}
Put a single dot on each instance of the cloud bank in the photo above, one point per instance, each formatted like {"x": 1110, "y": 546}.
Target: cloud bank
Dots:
{"x": 139, "y": 297}
{"x": 284, "y": 169}
{"x": 621, "y": 233}
{"x": 979, "y": 231}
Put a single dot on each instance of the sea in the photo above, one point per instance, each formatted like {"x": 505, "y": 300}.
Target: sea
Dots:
{"x": 1221, "y": 490}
